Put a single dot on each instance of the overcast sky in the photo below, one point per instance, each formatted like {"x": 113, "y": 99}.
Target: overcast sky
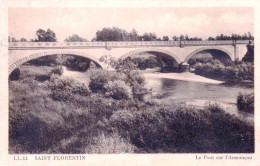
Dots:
{"x": 200, "y": 22}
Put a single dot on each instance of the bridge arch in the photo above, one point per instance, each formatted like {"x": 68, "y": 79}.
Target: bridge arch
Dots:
{"x": 208, "y": 48}
{"x": 151, "y": 50}
{"x": 49, "y": 53}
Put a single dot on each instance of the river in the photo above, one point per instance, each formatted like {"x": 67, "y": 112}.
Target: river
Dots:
{"x": 187, "y": 89}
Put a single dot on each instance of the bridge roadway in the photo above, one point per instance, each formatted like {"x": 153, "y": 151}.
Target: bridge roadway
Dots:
{"x": 180, "y": 51}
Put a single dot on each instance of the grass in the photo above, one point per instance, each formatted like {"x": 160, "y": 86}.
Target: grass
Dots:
{"x": 94, "y": 123}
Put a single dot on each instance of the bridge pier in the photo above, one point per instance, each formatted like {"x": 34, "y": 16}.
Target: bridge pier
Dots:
{"x": 184, "y": 67}
{"x": 236, "y": 51}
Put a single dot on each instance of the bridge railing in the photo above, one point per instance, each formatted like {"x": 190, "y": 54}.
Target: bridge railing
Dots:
{"x": 13, "y": 45}
{"x": 206, "y": 42}
{"x": 93, "y": 44}
{"x": 56, "y": 44}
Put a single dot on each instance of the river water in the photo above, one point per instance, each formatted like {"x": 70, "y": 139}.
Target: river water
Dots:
{"x": 187, "y": 89}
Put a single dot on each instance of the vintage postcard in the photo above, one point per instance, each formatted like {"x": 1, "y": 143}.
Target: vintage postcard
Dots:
{"x": 129, "y": 83}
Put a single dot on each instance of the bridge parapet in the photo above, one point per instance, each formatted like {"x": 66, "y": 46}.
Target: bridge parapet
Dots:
{"x": 37, "y": 45}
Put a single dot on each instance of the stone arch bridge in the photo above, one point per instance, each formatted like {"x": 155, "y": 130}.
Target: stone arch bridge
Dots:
{"x": 180, "y": 51}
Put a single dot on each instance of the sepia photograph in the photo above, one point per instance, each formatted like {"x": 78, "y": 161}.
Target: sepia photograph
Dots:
{"x": 131, "y": 80}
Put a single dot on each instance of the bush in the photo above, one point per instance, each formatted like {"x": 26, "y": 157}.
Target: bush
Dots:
{"x": 51, "y": 60}
{"x": 57, "y": 70}
{"x": 98, "y": 78}
{"x": 246, "y": 70}
{"x": 109, "y": 143}
{"x": 214, "y": 108}
{"x": 38, "y": 123}
{"x": 118, "y": 89}
{"x": 231, "y": 74}
{"x": 136, "y": 81}
{"x": 32, "y": 122}
{"x": 212, "y": 69}
{"x": 64, "y": 89}
{"x": 159, "y": 129}
{"x": 76, "y": 63}
{"x": 245, "y": 102}
{"x": 15, "y": 75}
{"x": 166, "y": 129}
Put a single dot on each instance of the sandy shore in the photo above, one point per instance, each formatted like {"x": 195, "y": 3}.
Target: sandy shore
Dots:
{"x": 183, "y": 76}
{"x": 186, "y": 76}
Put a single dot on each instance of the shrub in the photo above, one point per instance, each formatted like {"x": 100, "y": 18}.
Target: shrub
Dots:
{"x": 125, "y": 71}
{"x": 32, "y": 122}
{"x": 15, "y": 75}
{"x": 158, "y": 129}
{"x": 109, "y": 143}
{"x": 30, "y": 84}
{"x": 166, "y": 129}
{"x": 214, "y": 108}
{"x": 51, "y": 60}
{"x": 246, "y": 70}
{"x": 80, "y": 88}
{"x": 118, "y": 89}
{"x": 33, "y": 71}
{"x": 136, "y": 81}
{"x": 63, "y": 89}
{"x": 76, "y": 63}
{"x": 57, "y": 70}
{"x": 64, "y": 95}
{"x": 245, "y": 102}
{"x": 212, "y": 69}
{"x": 98, "y": 78}
{"x": 231, "y": 74}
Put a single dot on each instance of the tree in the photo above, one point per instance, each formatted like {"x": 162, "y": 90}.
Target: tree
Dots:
{"x": 12, "y": 39}
{"x": 46, "y": 36}
{"x": 23, "y": 40}
{"x": 50, "y": 36}
{"x": 149, "y": 37}
{"x": 41, "y": 34}
{"x": 187, "y": 37}
{"x": 112, "y": 34}
{"x": 75, "y": 38}
{"x": 182, "y": 37}
{"x": 133, "y": 36}
{"x": 195, "y": 39}
{"x": 175, "y": 38}
{"x": 249, "y": 57}
{"x": 211, "y": 38}
{"x": 165, "y": 38}
{"x": 250, "y": 36}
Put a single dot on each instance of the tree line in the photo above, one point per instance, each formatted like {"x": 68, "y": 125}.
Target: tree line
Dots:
{"x": 245, "y": 36}
{"x": 42, "y": 36}
{"x": 117, "y": 34}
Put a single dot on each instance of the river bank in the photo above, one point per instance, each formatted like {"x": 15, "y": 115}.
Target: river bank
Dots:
{"x": 186, "y": 76}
